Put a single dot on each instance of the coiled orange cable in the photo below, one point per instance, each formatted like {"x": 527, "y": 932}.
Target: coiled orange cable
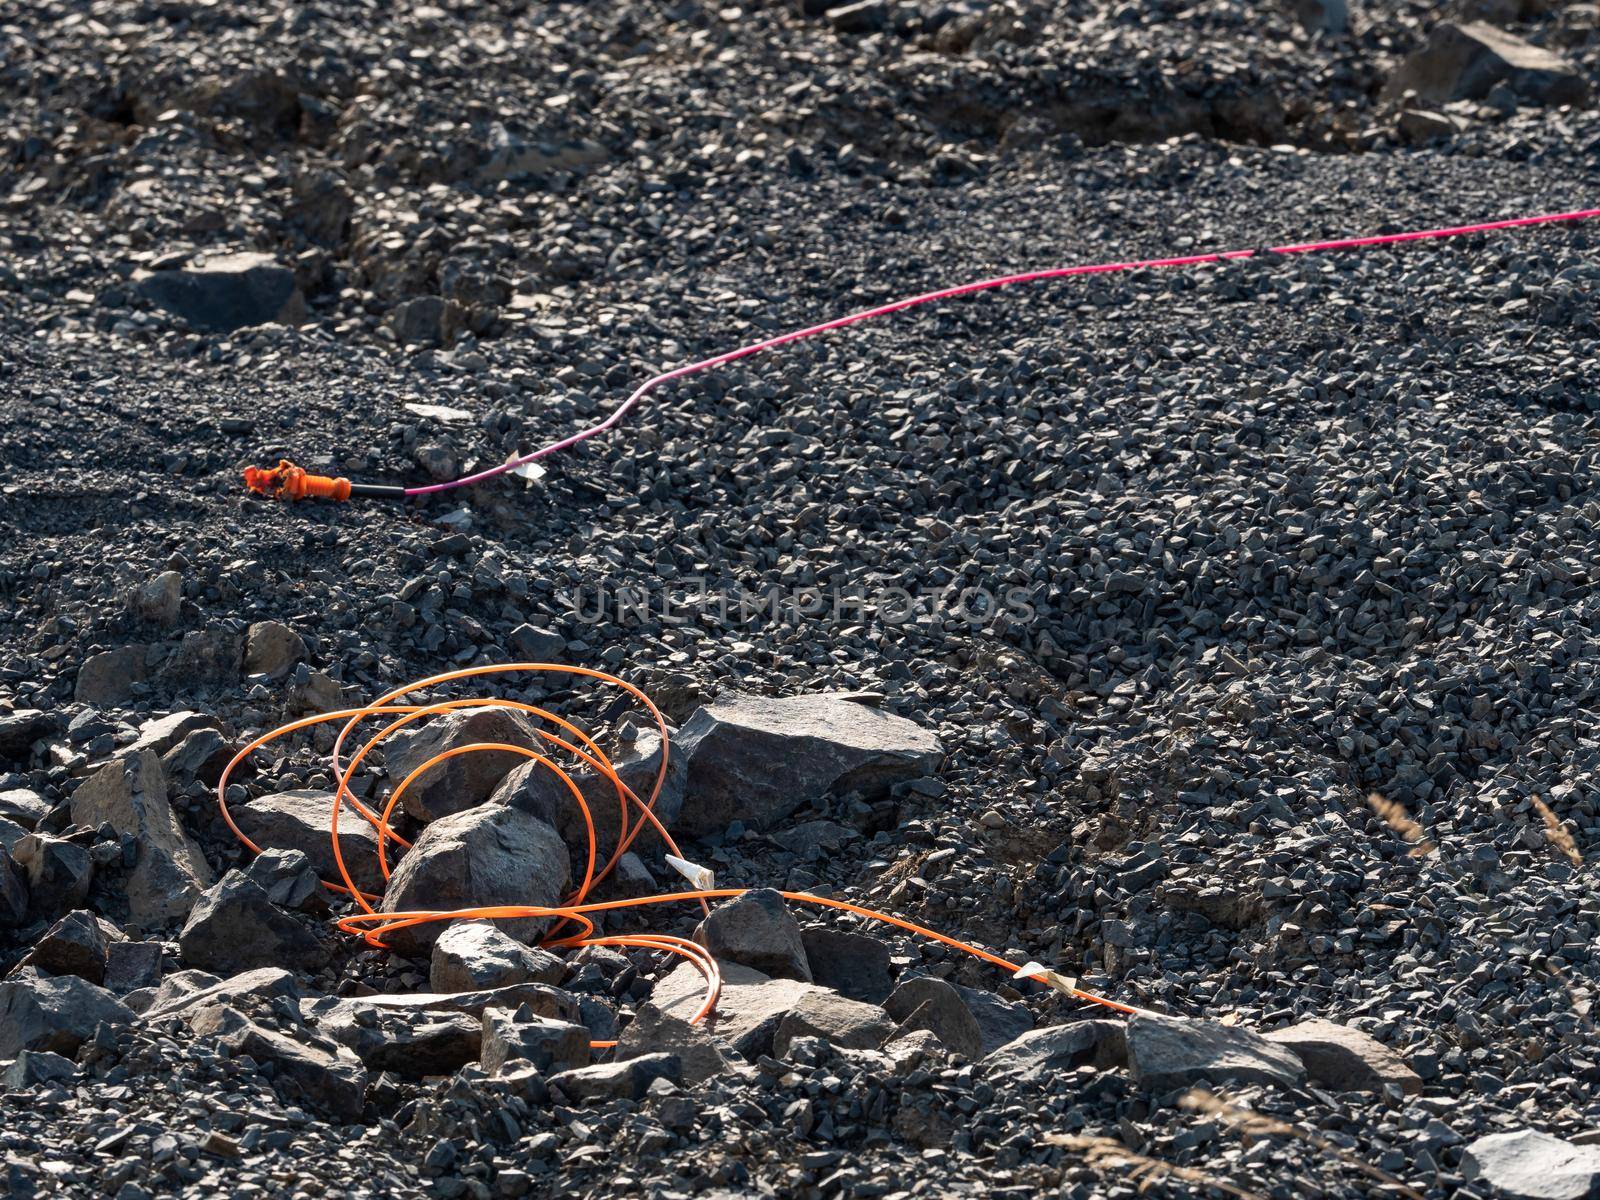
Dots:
{"x": 635, "y": 815}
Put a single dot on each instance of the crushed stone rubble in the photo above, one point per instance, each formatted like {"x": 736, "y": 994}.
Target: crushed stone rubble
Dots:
{"x": 1221, "y": 639}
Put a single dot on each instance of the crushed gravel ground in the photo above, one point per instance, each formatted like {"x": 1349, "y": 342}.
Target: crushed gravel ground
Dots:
{"x": 1178, "y": 567}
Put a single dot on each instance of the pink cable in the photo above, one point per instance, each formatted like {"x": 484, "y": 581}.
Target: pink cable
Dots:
{"x": 884, "y": 310}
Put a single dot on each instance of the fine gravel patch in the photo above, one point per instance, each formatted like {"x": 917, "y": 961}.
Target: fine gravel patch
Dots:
{"x": 1133, "y": 588}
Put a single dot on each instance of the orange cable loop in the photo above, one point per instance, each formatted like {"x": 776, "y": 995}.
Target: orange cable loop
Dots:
{"x": 635, "y": 815}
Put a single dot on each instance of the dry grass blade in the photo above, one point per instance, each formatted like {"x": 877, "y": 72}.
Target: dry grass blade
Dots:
{"x": 1556, "y": 833}
{"x": 1393, "y": 814}
{"x": 1258, "y": 1125}
{"x": 1141, "y": 1170}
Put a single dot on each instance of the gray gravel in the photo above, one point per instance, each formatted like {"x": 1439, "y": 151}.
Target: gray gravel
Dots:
{"x": 1194, "y": 562}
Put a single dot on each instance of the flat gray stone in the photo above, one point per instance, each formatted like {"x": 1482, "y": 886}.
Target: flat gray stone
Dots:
{"x": 1345, "y": 1059}
{"x": 1166, "y": 1053}
{"x": 1525, "y": 1164}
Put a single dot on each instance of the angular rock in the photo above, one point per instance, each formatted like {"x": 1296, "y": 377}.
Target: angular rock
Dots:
{"x": 1345, "y": 1059}
{"x": 58, "y": 874}
{"x": 411, "y": 1042}
{"x": 864, "y": 16}
{"x": 189, "y": 991}
{"x": 159, "y": 600}
{"x": 130, "y": 793}
{"x": 627, "y": 1080}
{"x": 36, "y": 1069}
{"x": 474, "y": 955}
{"x": 204, "y": 656}
{"x": 1041, "y": 1053}
{"x": 13, "y": 892}
{"x": 539, "y": 790}
{"x": 538, "y": 998}
{"x": 166, "y": 732}
{"x": 1464, "y": 61}
{"x": 1166, "y": 1053}
{"x": 302, "y": 820}
{"x": 748, "y": 1011}
{"x": 289, "y": 881}
{"x": 841, "y": 1022}
{"x": 756, "y": 759}
{"x": 235, "y": 927}
{"x": 1325, "y": 16}
{"x": 549, "y": 1045}
{"x": 330, "y": 1081}
{"x": 106, "y": 679}
{"x": 55, "y": 1013}
{"x": 467, "y": 780}
{"x": 534, "y": 643}
{"x": 1525, "y": 1164}
{"x": 999, "y": 1021}
{"x": 1419, "y": 126}
{"x": 10, "y": 834}
{"x": 227, "y": 292}
{"x": 486, "y": 855}
{"x": 132, "y": 965}
{"x": 852, "y": 964}
{"x": 758, "y": 931}
{"x": 24, "y": 806}
{"x": 19, "y": 730}
{"x": 77, "y": 944}
{"x": 418, "y": 321}
{"x": 935, "y": 1005}
{"x": 272, "y": 649}
{"x": 653, "y": 1031}
{"x": 203, "y": 755}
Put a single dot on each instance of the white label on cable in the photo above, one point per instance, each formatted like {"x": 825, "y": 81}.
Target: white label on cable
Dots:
{"x": 701, "y": 877}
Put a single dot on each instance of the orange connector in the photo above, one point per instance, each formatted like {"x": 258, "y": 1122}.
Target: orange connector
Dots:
{"x": 289, "y": 482}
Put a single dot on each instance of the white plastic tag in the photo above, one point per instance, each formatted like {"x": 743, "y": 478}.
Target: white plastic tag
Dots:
{"x": 700, "y": 877}
{"x": 1064, "y": 984}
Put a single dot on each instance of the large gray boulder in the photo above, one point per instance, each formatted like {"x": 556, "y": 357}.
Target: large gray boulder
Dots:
{"x": 757, "y": 759}
{"x": 24, "y": 806}
{"x": 185, "y": 992}
{"x": 57, "y": 873}
{"x": 235, "y": 927}
{"x": 474, "y": 955}
{"x": 548, "y": 1044}
{"x": 55, "y": 1013}
{"x": 1525, "y": 1164}
{"x": 539, "y": 790}
{"x": 1345, "y": 1059}
{"x": 853, "y": 964}
{"x": 227, "y": 292}
{"x": 628, "y": 1079}
{"x": 837, "y": 1020}
{"x": 1041, "y": 1053}
{"x": 756, "y": 930}
{"x": 488, "y": 855}
{"x": 1464, "y": 61}
{"x": 935, "y": 1005}
{"x": 170, "y": 873}
{"x": 655, "y": 1032}
{"x": 20, "y": 729}
{"x": 77, "y": 944}
{"x": 749, "y": 1009}
{"x": 411, "y": 1042}
{"x": 303, "y": 820}
{"x": 1166, "y": 1053}
{"x": 468, "y": 779}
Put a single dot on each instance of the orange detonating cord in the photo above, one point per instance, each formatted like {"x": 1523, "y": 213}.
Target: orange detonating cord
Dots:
{"x": 635, "y": 814}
